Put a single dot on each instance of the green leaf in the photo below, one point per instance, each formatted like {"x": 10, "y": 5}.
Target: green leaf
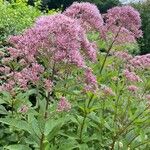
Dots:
{"x": 5, "y": 97}
{"x": 83, "y": 147}
{"x": 52, "y": 127}
{"x": 3, "y": 110}
{"x": 20, "y": 124}
{"x": 69, "y": 144}
{"x": 2, "y": 101}
{"x": 107, "y": 126}
{"x": 34, "y": 124}
{"x": 17, "y": 147}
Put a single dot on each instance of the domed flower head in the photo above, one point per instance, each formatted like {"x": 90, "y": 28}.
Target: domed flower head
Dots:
{"x": 125, "y": 16}
{"x": 141, "y": 62}
{"x": 57, "y": 37}
{"x": 87, "y": 13}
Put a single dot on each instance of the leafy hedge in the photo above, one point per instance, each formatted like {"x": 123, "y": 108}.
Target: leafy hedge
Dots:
{"x": 15, "y": 17}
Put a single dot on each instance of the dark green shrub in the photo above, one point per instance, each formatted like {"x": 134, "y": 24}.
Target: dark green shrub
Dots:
{"x": 144, "y": 9}
{"x": 101, "y": 4}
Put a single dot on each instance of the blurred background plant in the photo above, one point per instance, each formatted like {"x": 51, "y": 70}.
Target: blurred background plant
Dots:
{"x": 16, "y": 17}
{"x": 144, "y": 9}
{"x": 103, "y": 5}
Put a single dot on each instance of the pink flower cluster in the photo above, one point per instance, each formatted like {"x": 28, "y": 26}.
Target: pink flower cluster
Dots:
{"x": 90, "y": 80}
{"x": 126, "y": 17}
{"x": 142, "y": 61}
{"x": 131, "y": 76}
{"x": 28, "y": 75}
{"x": 7, "y": 86}
{"x": 63, "y": 105}
{"x": 132, "y": 88}
{"x": 24, "y": 109}
{"x": 124, "y": 36}
{"x": 107, "y": 91}
{"x": 123, "y": 55}
{"x": 58, "y": 36}
{"x": 62, "y": 39}
{"x": 147, "y": 97}
{"x": 87, "y": 14}
{"x": 48, "y": 85}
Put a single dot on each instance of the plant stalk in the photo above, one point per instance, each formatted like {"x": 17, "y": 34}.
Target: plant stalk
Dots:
{"x": 109, "y": 49}
{"x": 46, "y": 109}
{"x": 84, "y": 118}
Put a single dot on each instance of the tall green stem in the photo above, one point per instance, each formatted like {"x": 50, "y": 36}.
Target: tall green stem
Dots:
{"x": 82, "y": 126}
{"x": 84, "y": 118}
{"x": 46, "y": 109}
{"x": 116, "y": 105}
{"x": 125, "y": 114}
{"x": 102, "y": 120}
{"x": 109, "y": 49}
{"x": 45, "y": 117}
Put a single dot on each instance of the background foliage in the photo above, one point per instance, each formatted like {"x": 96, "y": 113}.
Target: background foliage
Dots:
{"x": 103, "y": 5}
{"x": 15, "y": 17}
{"x": 144, "y": 9}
